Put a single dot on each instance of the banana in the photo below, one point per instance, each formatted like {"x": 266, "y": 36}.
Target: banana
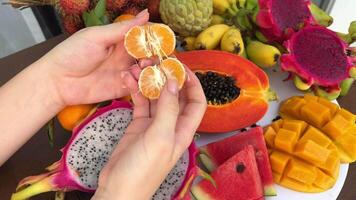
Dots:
{"x": 232, "y": 41}
{"x": 251, "y": 4}
{"x": 217, "y": 19}
{"x": 233, "y": 5}
{"x": 242, "y": 20}
{"x": 260, "y": 36}
{"x": 321, "y": 17}
{"x": 242, "y": 3}
{"x": 263, "y": 55}
{"x": 221, "y": 7}
{"x": 188, "y": 43}
{"x": 210, "y": 37}
{"x": 352, "y": 31}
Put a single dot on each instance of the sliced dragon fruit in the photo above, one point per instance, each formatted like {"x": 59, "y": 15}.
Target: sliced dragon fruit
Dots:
{"x": 89, "y": 149}
{"x": 319, "y": 58}
{"x": 279, "y": 19}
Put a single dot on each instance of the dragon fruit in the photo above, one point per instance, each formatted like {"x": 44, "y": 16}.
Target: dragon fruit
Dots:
{"x": 318, "y": 57}
{"x": 279, "y": 19}
{"x": 89, "y": 149}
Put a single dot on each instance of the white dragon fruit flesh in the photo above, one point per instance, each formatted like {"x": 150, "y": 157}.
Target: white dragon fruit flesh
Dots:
{"x": 89, "y": 149}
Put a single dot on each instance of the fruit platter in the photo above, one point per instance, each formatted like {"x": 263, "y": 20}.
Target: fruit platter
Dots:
{"x": 271, "y": 72}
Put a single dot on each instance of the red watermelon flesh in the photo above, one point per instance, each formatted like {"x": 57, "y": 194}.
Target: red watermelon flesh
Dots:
{"x": 216, "y": 153}
{"x": 236, "y": 179}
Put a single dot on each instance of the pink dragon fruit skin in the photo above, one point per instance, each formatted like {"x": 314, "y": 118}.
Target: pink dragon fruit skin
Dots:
{"x": 278, "y": 22}
{"x": 61, "y": 176}
{"x": 318, "y": 56}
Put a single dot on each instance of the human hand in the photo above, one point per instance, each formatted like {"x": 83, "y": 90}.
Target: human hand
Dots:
{"x": 86, "y": 67}
{"x": 154, "y": 141}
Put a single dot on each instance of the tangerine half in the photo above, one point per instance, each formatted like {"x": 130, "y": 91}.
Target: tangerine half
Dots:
{"x": 124, "y": 17}
{"x": 152, "y": 79}
{"x": 150, "y": 40}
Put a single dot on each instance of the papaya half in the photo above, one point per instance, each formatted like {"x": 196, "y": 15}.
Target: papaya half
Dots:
{"x": 237, "y": 91}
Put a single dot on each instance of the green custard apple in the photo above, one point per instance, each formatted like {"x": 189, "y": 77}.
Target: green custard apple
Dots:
{"x": 186, "y": 17}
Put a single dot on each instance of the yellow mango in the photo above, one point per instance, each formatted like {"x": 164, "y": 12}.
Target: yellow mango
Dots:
{"x": 336, "y": 127}
{"x": 315, "y": 113}
{"x": 296, "y": 126}
{"x": 322, "y": 180}
{"x": 315, "y": 135}
{"x": 270, "y": 134}
{"x": 300, "y": 171}
{"x": 279, "y": 161}
{"x": 332, "y": 107}
{"x": 277, "y": 125}
{"x": 327, "y": 119}
{"x": 276, "y": 177}
{"x": 312, "y": 152}
{"x": 285, "y": 140}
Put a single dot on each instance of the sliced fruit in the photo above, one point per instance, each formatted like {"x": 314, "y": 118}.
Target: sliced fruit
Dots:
{"x": 302, "y": 156}
{"x": 237, "y": 91}
{"x": 151, "y": 82}
{"x": 150, "y": 40}
{"x": 236, "y": 179}
{"x": 153, "y": 78}
{"x": 328, "y": 120}
{"x": 174, "y": 69}
{"x": 216, "y": 153}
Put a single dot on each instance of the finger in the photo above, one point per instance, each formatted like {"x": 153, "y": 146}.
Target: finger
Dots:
{"x": 141, "y": 104}
{"x": 115, "y": 32}
{"x": 135, "y": 71}
{"x": 167, "y": 110}
{"x": 145, "y": 62}
{"x": 193, "y": 111}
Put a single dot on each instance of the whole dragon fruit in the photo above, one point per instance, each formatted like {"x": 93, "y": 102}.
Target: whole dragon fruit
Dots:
{"x": 318, "y": 57}
{"x": 89, "y": 149}
{"x": 279, "y": 19}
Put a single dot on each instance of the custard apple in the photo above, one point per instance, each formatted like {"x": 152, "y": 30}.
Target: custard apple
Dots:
{"x": 186, "y": 17}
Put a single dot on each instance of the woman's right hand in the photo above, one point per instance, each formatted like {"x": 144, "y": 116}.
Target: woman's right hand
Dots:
{"x": 157, "y": 137}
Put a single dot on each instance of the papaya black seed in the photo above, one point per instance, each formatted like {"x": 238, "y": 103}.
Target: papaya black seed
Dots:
{"x": 218, "y": 88}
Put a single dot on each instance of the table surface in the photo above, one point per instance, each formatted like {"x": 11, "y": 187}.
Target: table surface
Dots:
{"x": 36, "y": 154}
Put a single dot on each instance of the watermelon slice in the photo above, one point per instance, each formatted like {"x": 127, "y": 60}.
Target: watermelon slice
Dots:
{"x": 236, "y": 179}
{"x": 214, "y": 154}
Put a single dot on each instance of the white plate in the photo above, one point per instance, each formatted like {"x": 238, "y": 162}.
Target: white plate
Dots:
{"x": 285, "y": 89}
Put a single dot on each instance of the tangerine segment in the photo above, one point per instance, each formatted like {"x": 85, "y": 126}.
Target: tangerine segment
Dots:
{"x": 161, "y": 39}
{"x": 174, "y": 69}
{"x": 136, "y": 43}
{"x": 151, "y": 82}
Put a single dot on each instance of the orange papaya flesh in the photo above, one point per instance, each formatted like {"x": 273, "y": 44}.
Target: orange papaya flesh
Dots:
{"x": 302, "y": 157}
{"x": 334, "y": 122}
{"x": 245, "y": 109}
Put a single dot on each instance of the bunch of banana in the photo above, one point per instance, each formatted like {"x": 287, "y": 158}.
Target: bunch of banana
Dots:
{"x": 263, "y": 55}
{"x": 218, "y": 36}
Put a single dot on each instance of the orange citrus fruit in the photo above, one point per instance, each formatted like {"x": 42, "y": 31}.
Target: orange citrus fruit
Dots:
{"x": 153, "y": 78}
{"x": 174, "y": 69}
{"x": 150, "y": 40}
{"x": 124, "y": 17}
{"x": 70, "y": 116}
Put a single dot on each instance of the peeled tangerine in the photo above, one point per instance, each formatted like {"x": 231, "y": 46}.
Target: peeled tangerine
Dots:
{"x": 307, "y": 144}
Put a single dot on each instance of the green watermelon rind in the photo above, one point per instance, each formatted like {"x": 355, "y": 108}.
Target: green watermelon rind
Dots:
{"x": 206, "y": 160}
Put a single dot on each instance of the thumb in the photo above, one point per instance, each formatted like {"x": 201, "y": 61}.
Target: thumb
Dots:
{"x": 167, "y": 109}
{"x": 115, "y": 32}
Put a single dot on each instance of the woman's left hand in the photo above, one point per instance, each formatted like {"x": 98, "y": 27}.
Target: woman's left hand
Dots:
{"x": 86, "y": 68}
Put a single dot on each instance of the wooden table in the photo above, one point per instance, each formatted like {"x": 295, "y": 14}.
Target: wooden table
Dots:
{"x": 36, "y": 154}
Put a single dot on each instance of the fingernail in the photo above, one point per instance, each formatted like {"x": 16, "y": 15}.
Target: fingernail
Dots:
{"x": 172, "y": 86}
{"x": 142, "y": 13}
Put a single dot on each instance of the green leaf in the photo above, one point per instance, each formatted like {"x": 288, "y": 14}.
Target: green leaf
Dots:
{"x": 105, "y": 19}
{"x": 100, "y": 8}
{"x": 50, "y": 132}
{"x": 93, "y": 20}
{"x": 85, "y": 17}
